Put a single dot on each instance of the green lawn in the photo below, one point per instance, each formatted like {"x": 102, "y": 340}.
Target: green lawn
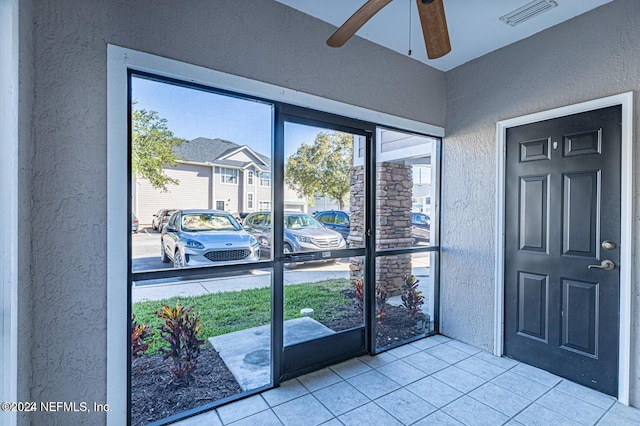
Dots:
{"x": 227, "y": 312}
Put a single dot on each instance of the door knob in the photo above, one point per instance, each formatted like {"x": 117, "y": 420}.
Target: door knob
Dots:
{"x": 606, "y": 264}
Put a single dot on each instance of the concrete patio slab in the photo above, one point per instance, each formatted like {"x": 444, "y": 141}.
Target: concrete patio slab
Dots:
{"x": 247, "y": 353}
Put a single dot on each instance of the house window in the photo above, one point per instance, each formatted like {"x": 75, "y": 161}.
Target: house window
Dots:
{"x": 229, "y": 176}
{"x": 264, "y": 205}
{"x": 250, "y": 201}
{"x": 219, "y": 205}
{"x": 250, "y": 177}
{"x": 265, "y": 179}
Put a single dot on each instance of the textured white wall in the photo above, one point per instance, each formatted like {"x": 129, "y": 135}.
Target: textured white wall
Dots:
{"x": 259, "y": 39}
{"x": 591, "y": 56}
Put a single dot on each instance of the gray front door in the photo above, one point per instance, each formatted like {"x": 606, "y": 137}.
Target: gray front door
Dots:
{"x": 562, "y": 246}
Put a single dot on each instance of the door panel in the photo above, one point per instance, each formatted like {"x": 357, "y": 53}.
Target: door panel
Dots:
{"x": 581, "y": 205}
{"x": 533, "y": 213}
{"x": 533, "y": 305}
{"x": 562, "y": 203}
{"x": 580, "y": 322}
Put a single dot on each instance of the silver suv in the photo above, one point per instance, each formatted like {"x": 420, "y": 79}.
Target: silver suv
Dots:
{"x": 302, "y": 233}
{"x": 206, "y": 237}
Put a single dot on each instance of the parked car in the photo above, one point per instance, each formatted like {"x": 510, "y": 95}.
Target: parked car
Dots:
{"x": 338, "y": 220}
{"x": 204, "y": 238}
{"x": 135, "y": 225}
{"x": 160, "y": 218}
{"x": 420, "y": 227}
{"x": 302, "y": 233}
{"x": 240, "y": 216}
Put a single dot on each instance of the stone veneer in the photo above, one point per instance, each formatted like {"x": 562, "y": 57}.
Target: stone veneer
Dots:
{"x": 393, "y": 222}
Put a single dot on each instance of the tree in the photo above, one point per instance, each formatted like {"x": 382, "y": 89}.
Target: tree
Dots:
{"x": 322, "y": 168}
{"x": 152, "y": 148}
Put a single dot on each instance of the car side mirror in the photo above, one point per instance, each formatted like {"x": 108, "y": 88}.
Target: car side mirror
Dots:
{"x": 169, "y": 228}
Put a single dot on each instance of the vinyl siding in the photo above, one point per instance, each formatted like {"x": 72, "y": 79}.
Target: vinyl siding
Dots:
{"x": 192, "y": 192}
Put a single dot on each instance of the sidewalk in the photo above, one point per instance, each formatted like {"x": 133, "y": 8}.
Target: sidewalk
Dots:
{"x": 258, "y": 279}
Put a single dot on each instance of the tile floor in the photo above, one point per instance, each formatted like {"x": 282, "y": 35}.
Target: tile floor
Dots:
{"x": 434, "y": 381}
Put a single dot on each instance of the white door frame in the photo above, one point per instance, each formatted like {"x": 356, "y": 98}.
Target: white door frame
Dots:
{"x": 626, "y": 239}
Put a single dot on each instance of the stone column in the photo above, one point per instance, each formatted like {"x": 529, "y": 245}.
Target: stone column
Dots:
{"x": 393, "y": 221}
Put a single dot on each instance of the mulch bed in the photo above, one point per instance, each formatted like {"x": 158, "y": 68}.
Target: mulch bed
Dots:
{"x": 154, "y": 399}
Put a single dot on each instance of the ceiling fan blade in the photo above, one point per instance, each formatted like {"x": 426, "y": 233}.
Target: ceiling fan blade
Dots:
{"x": 434, "y": 28}
{"x": 356, "y": 21}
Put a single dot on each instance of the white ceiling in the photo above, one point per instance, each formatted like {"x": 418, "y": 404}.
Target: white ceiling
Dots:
{"x": 474, "y": 25}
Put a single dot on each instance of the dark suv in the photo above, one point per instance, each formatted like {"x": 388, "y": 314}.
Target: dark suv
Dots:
{"x": 337, "y": 220}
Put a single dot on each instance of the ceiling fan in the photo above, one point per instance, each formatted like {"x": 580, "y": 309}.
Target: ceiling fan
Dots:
{"x": 432, "y": 19}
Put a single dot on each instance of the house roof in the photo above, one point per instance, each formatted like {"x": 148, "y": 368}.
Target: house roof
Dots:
{"x": 218, "y": 151}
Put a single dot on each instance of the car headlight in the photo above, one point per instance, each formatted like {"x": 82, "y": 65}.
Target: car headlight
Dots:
{"x": 253, "y": 242}
{"x": 303, "y": 239}
{"x": 192, "y": 244}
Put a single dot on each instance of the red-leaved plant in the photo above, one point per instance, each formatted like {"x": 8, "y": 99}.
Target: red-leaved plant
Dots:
{"x": 140, "y": 338}
{"x": 381, "y": 298}
{"x": 180, "y": 330}
{"x": 411, "y": 297}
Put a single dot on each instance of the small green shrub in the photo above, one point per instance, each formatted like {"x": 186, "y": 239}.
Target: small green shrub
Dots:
{"x": 140, "y": 338}
{"x": 180, "y": 330}
{"x": 411, "y": 297}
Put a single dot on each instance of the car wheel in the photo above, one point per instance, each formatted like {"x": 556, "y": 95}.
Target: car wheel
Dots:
{"x": 163, "y": 253}
{"x": 286, "y": 249}
{"x": 177, "y": 260}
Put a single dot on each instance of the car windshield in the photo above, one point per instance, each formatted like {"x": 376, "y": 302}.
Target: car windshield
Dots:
{"x": 421, "y": 219}
{"x": 299, "y": 221}
{"x": 209, "y": 222}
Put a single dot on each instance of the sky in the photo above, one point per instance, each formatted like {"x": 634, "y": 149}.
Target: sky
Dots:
{"x": 192, "y": 113}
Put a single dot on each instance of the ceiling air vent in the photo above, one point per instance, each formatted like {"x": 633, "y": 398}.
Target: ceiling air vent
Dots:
{"x": 528, "y": 11}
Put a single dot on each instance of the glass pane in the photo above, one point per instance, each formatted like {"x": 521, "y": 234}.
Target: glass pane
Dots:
{"x": 404, "y": 189}
{"x": 404, "y": 297}
{"x": 324, "y": 189}
{"x": 196, "y": 150}
{"x": 230, "y": 352}
{"x": 322, "y": 298}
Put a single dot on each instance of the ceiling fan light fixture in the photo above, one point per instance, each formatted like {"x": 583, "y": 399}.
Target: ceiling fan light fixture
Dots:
{"x": 527, "y": 11}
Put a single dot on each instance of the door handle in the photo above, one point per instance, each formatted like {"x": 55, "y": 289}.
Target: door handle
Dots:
{"x": 606, "y": 264}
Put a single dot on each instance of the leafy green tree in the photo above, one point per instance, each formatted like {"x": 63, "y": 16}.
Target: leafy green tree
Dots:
{"x": 322, "y": 168}
{"x": 152, "y": 148}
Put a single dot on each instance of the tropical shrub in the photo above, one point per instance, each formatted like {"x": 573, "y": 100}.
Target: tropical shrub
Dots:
{"x": 381, "y": 298}
{"x": 180, "y": 330}
{"x": 412, "y": 298}
{"x": 140, "y": 338}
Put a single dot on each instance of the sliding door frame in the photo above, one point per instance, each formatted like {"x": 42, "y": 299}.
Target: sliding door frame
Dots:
{"x": 121, "y": 63}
